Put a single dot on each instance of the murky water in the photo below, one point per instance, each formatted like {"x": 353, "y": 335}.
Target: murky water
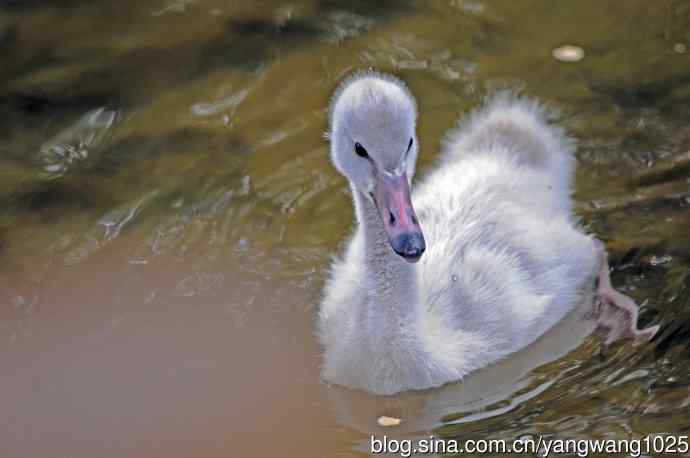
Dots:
{"x": 168, "y": 214}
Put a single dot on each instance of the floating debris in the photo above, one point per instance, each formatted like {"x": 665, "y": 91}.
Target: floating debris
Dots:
{"x": 568, "y": 53}
{"x": 676, "y": 167}
{"x": 227, "y": 103}
{"x": 666, "y": 192}
{"x": 114, "y": 221}
{"x": 660, "y": 260}
{"x": 284, "y": 15}
{"x": 680, "y": 48}
{"x": 412, "y": 64}
{"x": 246, "y": 185}
{"x": 342, "y": 25}
{"x": 75, "y": 144}
{"x": 388, "y": 421}
{"x": 468, "y": 6}
{"x": 179, "y": 6}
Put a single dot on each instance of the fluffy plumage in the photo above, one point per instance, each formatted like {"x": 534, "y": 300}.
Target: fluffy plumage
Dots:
{"x": 506, "y": 259}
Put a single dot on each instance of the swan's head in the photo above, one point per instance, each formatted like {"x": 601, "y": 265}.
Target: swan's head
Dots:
{"x": 373, "y": 143}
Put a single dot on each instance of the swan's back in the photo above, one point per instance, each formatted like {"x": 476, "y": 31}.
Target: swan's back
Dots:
{"x": 519, "y": 129}
{"x": 506, "y": 258}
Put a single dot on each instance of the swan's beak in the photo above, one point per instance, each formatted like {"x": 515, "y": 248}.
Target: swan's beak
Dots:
{"x": 399, "y": 220}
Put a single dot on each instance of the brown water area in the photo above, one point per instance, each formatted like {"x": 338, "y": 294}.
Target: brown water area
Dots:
{"x": 168, "y": 214}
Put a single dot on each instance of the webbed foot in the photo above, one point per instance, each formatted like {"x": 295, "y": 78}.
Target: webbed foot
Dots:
{"x": 616, "y": 312}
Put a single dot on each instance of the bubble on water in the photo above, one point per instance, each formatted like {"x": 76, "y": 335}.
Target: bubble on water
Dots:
{"x": 568, "y": 53}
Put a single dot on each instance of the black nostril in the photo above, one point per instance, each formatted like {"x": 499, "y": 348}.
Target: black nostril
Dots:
{"x": 391, "y": 218}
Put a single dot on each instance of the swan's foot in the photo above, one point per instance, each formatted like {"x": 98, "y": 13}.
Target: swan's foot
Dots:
{"x": 617, "y": 313}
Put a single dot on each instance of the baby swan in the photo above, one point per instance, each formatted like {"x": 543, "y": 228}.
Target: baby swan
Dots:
{"x": 480, "y": 261}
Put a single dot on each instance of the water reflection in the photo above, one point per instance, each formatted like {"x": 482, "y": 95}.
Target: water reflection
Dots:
{"x": 169, "y": 213}
{"x": 490, "y": 392}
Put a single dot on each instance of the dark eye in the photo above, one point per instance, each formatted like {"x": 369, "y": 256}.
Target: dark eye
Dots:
{"x": 361, "y": 152}
{"x": 409, "y": 145}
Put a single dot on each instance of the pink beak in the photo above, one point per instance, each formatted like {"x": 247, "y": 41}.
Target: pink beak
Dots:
{"x": 399, "y": 220}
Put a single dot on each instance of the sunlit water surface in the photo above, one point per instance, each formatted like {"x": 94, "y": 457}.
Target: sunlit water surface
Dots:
{"x": 169, "y": 212}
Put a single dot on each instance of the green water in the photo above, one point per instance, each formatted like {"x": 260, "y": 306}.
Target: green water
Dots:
{"x": 163, "y": 173}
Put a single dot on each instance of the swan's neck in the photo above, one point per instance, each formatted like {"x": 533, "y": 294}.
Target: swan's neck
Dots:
{"x": 392, "y": 309}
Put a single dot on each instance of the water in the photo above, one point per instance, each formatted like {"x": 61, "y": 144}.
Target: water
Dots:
{"x": 169, "y": 213}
